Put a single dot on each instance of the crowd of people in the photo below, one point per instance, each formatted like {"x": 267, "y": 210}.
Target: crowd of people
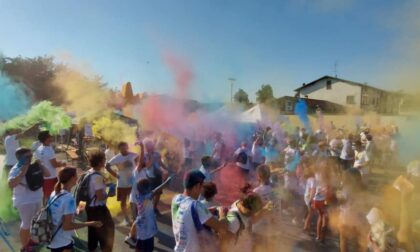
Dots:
{"x": 319, "y": 181}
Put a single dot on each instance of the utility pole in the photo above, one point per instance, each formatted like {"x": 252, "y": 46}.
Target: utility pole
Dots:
{"x": 335, "y": 68}
{"x": 232, "y": 82}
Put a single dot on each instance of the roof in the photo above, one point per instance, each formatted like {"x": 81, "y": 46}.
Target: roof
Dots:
{"x": 338, "y": 79}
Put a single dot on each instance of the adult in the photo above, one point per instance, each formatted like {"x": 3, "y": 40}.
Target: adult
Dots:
{"x": 11, "y": 144}
{"x": 189, "y": 214}
{"x": 97, "y": 209}
{"x": 243, "y": 157}
{"x": 361, "y": 159}
{"x": 258, "y": 156}
{"x": 126, "y": 162}
{"x": 26, "y": 201}
{"x": 63, "y": 209}
{"x": 347, "y": 153}
{"x": 218, "y": 150}
{"x": 45, "y": 153}
{"x": 156, "y": 170}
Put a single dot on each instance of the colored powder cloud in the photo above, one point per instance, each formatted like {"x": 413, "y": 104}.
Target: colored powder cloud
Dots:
{"x": 49, "y": 117}
{"x": 113, "y": 130}
{"x": 301, "y": 110}
{"x": 13, "y": 99}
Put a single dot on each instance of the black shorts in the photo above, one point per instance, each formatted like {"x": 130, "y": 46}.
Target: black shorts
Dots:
{"x": 145, "y": 245}
{"x": 70, "y": 246}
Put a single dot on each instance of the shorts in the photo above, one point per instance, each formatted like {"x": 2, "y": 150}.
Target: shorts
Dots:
{"x": 61, "y": 249}
{"x": 48, "y": 187}
{"x": 26, "y": 213}
{"x": 319, "y": 205}
{"x": 145, "y": 245}
{"x": 123, "y": 193}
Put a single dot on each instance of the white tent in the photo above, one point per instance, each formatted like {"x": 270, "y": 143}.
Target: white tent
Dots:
{"x": 259, "y": 114}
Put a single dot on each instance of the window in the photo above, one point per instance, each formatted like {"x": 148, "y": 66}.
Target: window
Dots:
{"x": 289, "y": 106}
{"x": 350, "y": 99}
{"x": 328, "y": 84}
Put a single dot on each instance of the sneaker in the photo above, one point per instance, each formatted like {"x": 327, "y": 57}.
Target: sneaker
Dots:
{"x": 130, "y": 241}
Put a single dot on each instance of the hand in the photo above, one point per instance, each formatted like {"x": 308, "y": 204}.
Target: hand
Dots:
{"x": 222, "y": 212}
{"x": 269, "y": 206}
{"x": 96, "y": 224}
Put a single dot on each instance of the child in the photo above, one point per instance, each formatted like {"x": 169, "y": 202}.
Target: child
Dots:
{"x": 206, "y": 163}
{"x": 146, "y": 227}
{"x": 264, "y": 189}
{"x": 208, "y": 192}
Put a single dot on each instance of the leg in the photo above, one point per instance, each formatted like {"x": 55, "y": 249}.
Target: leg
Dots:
{"x": 343, "y": 239}
{"x": 308, "y": 219}
{"x": 319, "y": 225}
{"x": 92, "y": 232}
{"x": 26, "y": 213}
{"x": 106, "y": 237}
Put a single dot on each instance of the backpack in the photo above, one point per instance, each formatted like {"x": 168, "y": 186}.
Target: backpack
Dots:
{"x": 242, "y": 157}
{"x": 34, "y": 176}
{"x": 42, "y": 226}
{"x": 81, "y": 193}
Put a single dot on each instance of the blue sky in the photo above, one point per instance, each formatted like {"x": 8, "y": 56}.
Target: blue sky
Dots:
{"x": 283, "y": 42}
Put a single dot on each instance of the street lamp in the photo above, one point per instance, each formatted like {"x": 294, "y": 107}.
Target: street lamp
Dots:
{"x": 232, "y": 81}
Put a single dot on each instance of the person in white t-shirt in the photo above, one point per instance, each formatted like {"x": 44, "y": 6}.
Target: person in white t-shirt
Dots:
{"x": 258, "y": 156}
{"x": 11, "y": 144}
{"x": 26, "y": 201}
{"x": 97, "y": 209}
{"x": 205, "y": 168}
{"x": 361, "y": 160}
{"x": 126, "y": 162}
{"x": 241, "y": 216}
{"x": 62, "y": 206}
{"x": 45, "y": 153}
{"x": 189, "y": 215}
{"x": 243, "y": 157}
{"x": 218, "y": 150}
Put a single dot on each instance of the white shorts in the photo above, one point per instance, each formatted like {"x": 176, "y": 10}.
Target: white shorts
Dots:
{"x": 26, "y": 213}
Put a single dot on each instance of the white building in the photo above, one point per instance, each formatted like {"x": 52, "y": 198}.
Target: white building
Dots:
{"x": 351, "y": 94}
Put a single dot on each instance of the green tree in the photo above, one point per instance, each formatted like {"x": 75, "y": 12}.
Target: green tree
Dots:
{"x": 36, "y": 74}
{"x": 241, "y": 97}
{"x": 265, "y": 94}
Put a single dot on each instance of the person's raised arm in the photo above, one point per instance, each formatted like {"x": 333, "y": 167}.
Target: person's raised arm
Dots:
{"x": 69, "y": 225}
{"x": 140, "y": 159}
{"x": 14, "y": 181}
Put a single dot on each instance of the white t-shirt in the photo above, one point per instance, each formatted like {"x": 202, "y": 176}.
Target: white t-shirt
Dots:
{"x": 64, "y": 205}
{"x": 96, "y": 183}
{"x": 156, "y": 159}
{"x": 310, "y": 185}
{"x": 347, "y": 151}
{"x": 265, "y": 191}
{"x": 248, "y": 153}
{"x": 126, "y": 165}
{"x": 45, "y": 154}
{"x": 360, "y": 158}
{"x": 11, "y": 144}
{"x": 257, "y": 154}
{"x": 320, "y": 188}
{"x": 244, "y": 243}
{"x": 137, "y": 175}
{"x": 21, "y": 193}
{"x": 185, "y": 232}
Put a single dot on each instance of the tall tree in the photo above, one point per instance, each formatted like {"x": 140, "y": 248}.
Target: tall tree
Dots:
{"x": 36, "y": 74}
{"x": 265, "y": 94}
{"x": 241, "y": 97}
